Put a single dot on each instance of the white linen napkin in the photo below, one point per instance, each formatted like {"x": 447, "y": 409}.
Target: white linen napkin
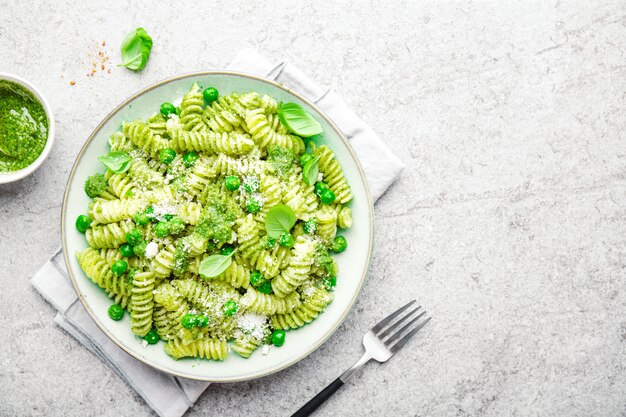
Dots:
{"x": 170, "y": 396}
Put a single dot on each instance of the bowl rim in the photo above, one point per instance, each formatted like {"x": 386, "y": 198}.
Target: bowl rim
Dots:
{"x": 11, "y": 176}
{"x": 152, "y": 363}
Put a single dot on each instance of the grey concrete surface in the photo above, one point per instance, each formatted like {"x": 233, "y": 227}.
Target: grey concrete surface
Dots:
{"x": 508, "y": 224}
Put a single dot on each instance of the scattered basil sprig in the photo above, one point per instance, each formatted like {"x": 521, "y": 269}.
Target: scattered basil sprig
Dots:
{"x": 135, "y": 49}
{"x": 298, "y": 121}
{"x": 117, "y": 162}
{"x": 310, "y": 171}
{"x": 280, "y": 219}
{"x": 213, "y": 265}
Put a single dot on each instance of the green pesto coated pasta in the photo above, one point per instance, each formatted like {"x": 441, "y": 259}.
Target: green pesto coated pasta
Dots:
{"x": 191, "y": 109}
{"x": 312, "y": 305}
{"x": 142, "y": 137}
{"x": 111, "y": 211}
{"x": 120, "y": 143}
{"x": 203, "y": 182}
{"x": 244, "y": 345}
{"x": 99, "y": 271}
{"x": 297, "y": 272}
{"x": 207, "y": 349}
{"x": 142, "y": 304}
{"x": 269, "y": 304}
{"x": 110, "y": 235}
{"x": 332, "y": 174}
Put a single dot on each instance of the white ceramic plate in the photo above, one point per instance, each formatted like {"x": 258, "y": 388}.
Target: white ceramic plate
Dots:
{"x": 353, "y": 263}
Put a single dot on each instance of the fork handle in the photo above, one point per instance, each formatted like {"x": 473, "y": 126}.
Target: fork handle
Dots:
{"x": 308, "y": 408}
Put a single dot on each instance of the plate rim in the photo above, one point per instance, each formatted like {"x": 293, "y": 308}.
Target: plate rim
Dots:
{"x": 150, "y": 362}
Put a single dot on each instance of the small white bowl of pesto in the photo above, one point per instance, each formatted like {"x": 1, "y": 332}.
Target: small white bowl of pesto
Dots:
{"x": 26, "y": 128}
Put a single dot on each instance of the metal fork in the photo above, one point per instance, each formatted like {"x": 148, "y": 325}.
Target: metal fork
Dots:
{"x": 381, "y": 343}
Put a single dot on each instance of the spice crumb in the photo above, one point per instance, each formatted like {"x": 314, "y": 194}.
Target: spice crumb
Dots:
{"x": 97, "y": 59}
{"x": 72, "y": 82}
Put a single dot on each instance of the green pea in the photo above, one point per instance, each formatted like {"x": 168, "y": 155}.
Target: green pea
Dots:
{"x": 265, "y": 288}
{"x": 210, "y": 94}
{"x": 257, "y": 279}
{"x": 230, "y": 308}
{"x": 319, "y": 187}
{"x": 190, "y": 158}
{"x": 327, "y": 196}
{"x": 119, "y": 267}
{"x": 162, "y": 229}
{"x": 127, "y": 250}
{"x": 269, "y": 242}
{"x": 188, "y": 321}
{"x": 278, "y": 338}
{"x": 167, "y": 155}
{"x": 152, "y": 337}
{"x": 286, "y": 240}
{"x": 140, "y": 248}
{"x": 141, "y": 219}
{"x": 116, "y": 312}
{"x": 306, "y": 157}
{"x": 232, "y": 183}
{"x": 227, "y": 250}
{"x": 253, "y": 206}
{"x": 310, "y": 226}
{"x": 202, "y": 321}
{"x": 168, "y": 109}
{"x": 339, "y": 244}
{"x": 83, "y": 223}
{"x": 134, "y": 236}
{"x": 177, "y": 225}
{"x": 330, "y": 283}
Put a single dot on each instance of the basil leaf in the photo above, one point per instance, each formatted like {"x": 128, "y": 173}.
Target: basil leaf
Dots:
{"x": 280, "y": 219}
{"x": 135, "y": 49}
{"x": 213, "y": 265}
{"x": 117, "y": 162}
{"x": 310, "y": 171}
{"x": 298, "y": 121}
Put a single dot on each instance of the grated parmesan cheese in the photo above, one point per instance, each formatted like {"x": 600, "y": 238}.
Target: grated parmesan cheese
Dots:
{"x": 164, "y": 207}
{"x": 151, "y": 250}
{"x": 266, "y": 349}
{"x": 173, "y": 122}
{"x": 253, "y": 324}
{"x": 309, "y": 291}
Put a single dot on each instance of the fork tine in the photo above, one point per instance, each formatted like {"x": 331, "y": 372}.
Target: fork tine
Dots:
{"x": 399, "y": 333}
{"x": 397, "y": 323}
{"x": 409, "y": 335}
{"x": 390, "y": 317}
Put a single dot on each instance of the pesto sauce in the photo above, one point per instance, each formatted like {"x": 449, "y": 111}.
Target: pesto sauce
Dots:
{"x": 23, "y": 127}
{"x": 218, "y": 217}
{"x": 281, "y": 159}
{"x": 181, "y": 257}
